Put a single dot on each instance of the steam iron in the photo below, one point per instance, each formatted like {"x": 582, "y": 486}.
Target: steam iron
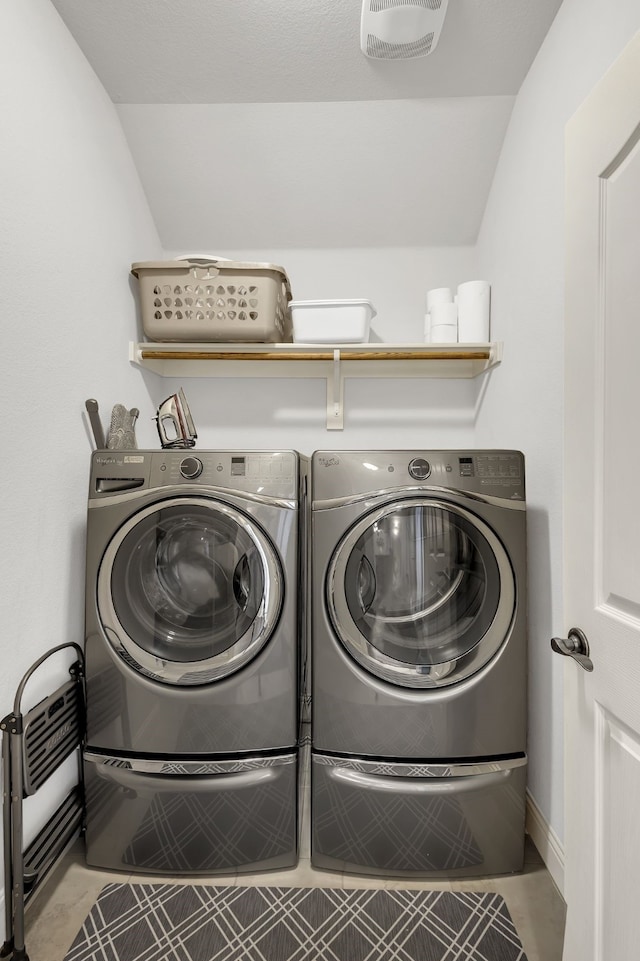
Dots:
{"x": 175, "y": 424}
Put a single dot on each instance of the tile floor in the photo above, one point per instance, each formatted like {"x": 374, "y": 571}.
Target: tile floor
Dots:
{"x": 60, "y": 906}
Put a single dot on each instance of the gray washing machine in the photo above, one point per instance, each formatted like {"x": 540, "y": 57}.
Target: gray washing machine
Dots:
{"x": 419, "y": 662}
{"x": 193, "y": 633}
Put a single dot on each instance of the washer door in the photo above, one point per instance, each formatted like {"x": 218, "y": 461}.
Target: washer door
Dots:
{"x": 421, "y": 593}
{"x": 189, "y": 590}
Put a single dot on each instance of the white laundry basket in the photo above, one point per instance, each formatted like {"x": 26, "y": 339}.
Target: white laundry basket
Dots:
{"x": 220, "y": 301}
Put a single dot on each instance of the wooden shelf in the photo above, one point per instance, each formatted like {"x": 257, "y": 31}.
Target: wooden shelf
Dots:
{"x": 331, "y": 362}
{"x": 202, "y": 360}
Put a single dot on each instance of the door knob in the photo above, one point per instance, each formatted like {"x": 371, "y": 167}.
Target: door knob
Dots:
{"x": 575, "y": 646}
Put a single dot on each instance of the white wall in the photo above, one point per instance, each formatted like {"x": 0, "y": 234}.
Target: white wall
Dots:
{"x": 73, "y": 217}
{"x": 521, "y": 250}
{"x": 302, "y": 175}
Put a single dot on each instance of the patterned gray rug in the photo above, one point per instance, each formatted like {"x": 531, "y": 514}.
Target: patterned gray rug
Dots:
{"x": 175, "y": 922}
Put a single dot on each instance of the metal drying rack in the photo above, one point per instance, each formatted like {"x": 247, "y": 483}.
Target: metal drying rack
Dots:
{"x": 34, "y": 745}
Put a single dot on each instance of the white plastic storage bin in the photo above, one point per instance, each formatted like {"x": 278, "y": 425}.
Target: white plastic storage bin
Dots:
{"x": 331, "y": 321}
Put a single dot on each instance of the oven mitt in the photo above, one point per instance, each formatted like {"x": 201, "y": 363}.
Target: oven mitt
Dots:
{"x": 122, "y": 428}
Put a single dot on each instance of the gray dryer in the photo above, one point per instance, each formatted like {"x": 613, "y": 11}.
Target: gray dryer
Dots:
{"x": 419, "y": 662}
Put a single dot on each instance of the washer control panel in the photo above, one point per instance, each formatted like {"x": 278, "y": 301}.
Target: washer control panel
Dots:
{"x": 266, "y": 473}
{"x": 270, "y": 473}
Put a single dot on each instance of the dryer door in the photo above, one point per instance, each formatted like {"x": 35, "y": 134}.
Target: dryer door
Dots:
{"x": 189, "y": 590}
{"x": 421, "y": 593}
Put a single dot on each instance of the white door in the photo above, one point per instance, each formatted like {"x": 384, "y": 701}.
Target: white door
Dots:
{"x": 602, "y": 517}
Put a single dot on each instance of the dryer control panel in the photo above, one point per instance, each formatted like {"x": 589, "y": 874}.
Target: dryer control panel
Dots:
{"x": 494, "y": 473}
{"x": 491, "y": 467}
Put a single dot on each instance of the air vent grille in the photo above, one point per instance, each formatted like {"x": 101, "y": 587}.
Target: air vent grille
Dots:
{"x": 380, "y": 50}
{"x": 401, "y": 29}
{"x": 375, "y": 6}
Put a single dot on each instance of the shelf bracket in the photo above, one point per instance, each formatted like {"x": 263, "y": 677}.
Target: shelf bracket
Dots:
{"x": 335, "y": 395}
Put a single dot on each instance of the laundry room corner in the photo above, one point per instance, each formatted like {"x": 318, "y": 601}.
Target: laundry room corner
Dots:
{"x": 74, "y": 213}
{"x": 521, "y": 245}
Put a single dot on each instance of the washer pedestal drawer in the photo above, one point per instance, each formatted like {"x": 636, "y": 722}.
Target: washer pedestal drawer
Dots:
{"x": 195, "y": 817}
{"x": 404, "y": 819}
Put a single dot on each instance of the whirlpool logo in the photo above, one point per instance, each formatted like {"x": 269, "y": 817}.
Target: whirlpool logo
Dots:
{"x": 329, "y": 461}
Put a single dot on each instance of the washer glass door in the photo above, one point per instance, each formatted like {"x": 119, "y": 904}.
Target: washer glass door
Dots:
{"x": 421, "y": 593}
{"x": 189, "y": 590}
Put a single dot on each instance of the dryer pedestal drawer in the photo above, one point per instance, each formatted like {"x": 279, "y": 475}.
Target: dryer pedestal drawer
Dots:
{"x": 387, "y": 819}
{"x": 241, "y": 817}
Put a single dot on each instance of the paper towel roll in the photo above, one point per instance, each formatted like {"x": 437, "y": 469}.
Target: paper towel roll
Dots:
{"x": 443, "y": 313}
{"x": 474, "y": 309}
{"x": 439, "y": 295}
{"x": 444, "y": 334}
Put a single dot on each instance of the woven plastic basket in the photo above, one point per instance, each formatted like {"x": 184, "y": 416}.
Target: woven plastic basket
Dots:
{"x": 219, "y": 301}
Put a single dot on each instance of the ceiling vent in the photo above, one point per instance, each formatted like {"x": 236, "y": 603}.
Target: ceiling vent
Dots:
{"x": 401, "y": 29}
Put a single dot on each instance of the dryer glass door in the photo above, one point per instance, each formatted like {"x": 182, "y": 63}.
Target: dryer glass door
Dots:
{"x": 421, "y": 593}
{"x": 189, "y": 591}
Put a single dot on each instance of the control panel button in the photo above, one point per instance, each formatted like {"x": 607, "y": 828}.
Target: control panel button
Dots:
{"x": 419, "y": 468}
{"x": 191, "y": 467}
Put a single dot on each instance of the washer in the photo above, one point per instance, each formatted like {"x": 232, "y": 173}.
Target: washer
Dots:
{"x": 418, "y": 662}
{"x": 193, "y": 632}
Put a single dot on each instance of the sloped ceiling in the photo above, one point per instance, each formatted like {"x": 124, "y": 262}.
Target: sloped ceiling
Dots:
{"x": 260, "y": 123}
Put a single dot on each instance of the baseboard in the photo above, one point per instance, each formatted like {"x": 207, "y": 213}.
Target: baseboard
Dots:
{"x": 546, "y": 841}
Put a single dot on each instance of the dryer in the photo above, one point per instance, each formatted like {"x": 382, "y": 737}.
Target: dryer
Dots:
{"x": 419, "y": 658}
{"x": 193, "y": 631}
